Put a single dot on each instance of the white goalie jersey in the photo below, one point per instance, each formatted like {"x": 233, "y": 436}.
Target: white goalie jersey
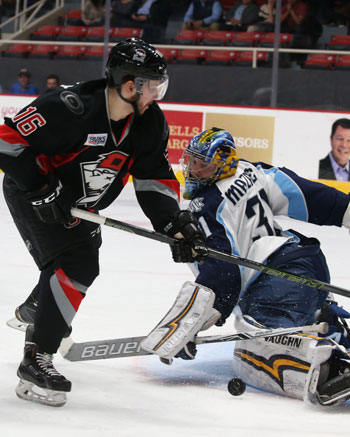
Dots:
{"x": 237, "y": 216}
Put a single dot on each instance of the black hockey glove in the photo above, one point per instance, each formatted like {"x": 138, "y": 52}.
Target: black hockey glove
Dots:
{"x": 191, "y": 244}
{"x": 53, "y": 203}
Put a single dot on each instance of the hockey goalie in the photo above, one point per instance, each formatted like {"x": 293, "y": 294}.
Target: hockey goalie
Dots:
{"x": 236, "y": 203}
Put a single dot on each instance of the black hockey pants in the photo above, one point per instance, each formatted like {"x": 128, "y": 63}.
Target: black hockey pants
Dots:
{"x": 68, "y": 259}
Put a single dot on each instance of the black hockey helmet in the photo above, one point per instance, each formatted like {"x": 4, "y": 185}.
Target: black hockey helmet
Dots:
{"x": 136, "y": 59}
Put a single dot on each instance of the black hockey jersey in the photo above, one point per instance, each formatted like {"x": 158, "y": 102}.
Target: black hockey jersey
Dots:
{"x": 68, "y": 131}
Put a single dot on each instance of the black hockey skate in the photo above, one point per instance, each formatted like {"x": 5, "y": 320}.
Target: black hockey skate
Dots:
{"x": 39, "y": 381}
{"x": 336, "y": 389}
{"x": 25, "y": 313}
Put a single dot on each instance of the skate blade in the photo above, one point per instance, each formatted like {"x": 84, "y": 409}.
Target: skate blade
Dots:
{"x": 30, "y": 392}
{"x": 336, "y": 399}
{"x": 17, "y": 324}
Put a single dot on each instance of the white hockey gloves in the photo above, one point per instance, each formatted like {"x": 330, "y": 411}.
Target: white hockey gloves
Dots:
{"x": 192, "y": 312}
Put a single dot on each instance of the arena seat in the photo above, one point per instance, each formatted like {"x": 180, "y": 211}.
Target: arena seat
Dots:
{"x": 268, "y": 39}
{"x": 19, "y": 50}
{"x": 120, "y": 33}
{"x": 44, "y": 51}
{"x": 170, "y": 54}
{"x": 193, "y": 55}
{"x": 221, "y": 57}
{"x": 189, "y": 37}
{"x": 95, "y": 52}
{"x": 71, "y": 52}
{"x": 245, "y": 39}
{"x": 320, "y": 61}
{"x": 73, "y": 17}
{"x": 96, "y": 34}
{"x": 72, "y": 33}
{"x": 339, "y": 42}
{"x": 342, "y": 62}
{"x": 218, "y": 37}
{"x": 46, "y": 33}
{"x": 246, "y": 58}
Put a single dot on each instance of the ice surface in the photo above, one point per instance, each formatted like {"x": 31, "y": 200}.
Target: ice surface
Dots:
{"x": 140, "y": 396}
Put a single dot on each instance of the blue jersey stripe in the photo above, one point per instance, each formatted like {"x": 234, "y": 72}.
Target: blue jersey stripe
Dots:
{"x": 297, "y": 208}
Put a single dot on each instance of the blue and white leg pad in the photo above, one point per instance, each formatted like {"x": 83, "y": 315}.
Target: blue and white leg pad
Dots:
{"x": 191, "y": 310}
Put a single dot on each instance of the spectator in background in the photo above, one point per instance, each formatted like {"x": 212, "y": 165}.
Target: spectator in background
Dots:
{"x": 267, "y": 13}
{"x": 305, "y": 27}
{"x": 293, "y": 15}
{"x": 142, "y": 14}
{"x": 1, "y": 89}
{"x": 241, "y": 15}
{"x": 154, "y": 31}
{"x": 23, "y": 85}
{"x": 52, "y": 81}
{"x": 203, "y": 14}
{"x": 93, "y": 13}
{"x": 335, "y": 165}
{"x": 122, "y": 10}
{"x": 342, "y": 12}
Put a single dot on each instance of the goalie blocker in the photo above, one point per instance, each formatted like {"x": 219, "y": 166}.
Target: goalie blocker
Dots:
{"x": 192, "y": 312}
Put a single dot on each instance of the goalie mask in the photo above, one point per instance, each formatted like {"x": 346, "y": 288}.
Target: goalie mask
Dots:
{"x": 209, "y": 157}
{"x": 134, "y": 59}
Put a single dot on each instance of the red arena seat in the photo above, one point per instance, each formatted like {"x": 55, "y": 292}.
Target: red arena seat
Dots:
{"x": 246, "y": 39}
{"x": 19, "y": 50}
{"x": 46, "y": 32}
{"x": 125, "y": 32}
{"x": 170, "y": 54}
{"x": 72, "y": 33}
{"x": 44, "y": 51}
{"x": 320, "y": 61}
{"x": 218, "y": 37}
{"x": 221, "y": 57}
{"x": 189, "y": 37}
{"x": 69, "y": 52}
{"x": 197, "y": 55}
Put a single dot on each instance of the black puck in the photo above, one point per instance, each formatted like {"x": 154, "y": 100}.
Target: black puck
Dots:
{"x": 236, "y": 387}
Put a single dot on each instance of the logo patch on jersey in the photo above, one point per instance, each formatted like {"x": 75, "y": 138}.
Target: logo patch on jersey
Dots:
{"x": 197, "y": 204}
{"x": 96, "y": 140}
{"x": 98, "y": 176}
{"x": 73, "y": 102}
{"x": 139, "y": 55}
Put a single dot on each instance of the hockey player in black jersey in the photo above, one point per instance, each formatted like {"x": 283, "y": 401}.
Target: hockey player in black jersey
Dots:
{"x": 77, "y": 146}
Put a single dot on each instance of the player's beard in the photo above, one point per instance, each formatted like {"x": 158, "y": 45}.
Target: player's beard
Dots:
{"x": 142, "y": 108}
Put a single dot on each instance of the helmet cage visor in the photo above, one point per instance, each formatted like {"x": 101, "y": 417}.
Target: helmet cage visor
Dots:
{"x": 197, "y": 168}
{"x": 150, "y": 87}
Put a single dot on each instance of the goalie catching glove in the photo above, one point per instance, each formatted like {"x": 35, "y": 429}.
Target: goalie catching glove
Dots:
{"x": 52, "y": 203}
{"x": 191, "y": 244}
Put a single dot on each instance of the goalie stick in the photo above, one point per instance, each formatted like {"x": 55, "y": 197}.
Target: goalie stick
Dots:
{"x": 131, "y": 346}
{"x": 230, "y": 258}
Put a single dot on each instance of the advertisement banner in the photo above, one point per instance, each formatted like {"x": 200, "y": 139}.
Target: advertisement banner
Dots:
{"x": 183, "y": 126}
{"x": 253, "y": 134}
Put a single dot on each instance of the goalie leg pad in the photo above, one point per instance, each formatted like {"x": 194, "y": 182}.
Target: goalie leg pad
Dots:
{"x": 275, "y": 364}
{"x": 191, "y": 310}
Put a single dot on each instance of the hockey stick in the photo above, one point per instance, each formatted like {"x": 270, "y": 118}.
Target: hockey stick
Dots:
{"x": 131, "y": 346}
{"x": 230, "y": 258}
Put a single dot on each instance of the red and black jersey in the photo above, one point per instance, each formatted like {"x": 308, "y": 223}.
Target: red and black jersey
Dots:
{"x": 68, "y": 131}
